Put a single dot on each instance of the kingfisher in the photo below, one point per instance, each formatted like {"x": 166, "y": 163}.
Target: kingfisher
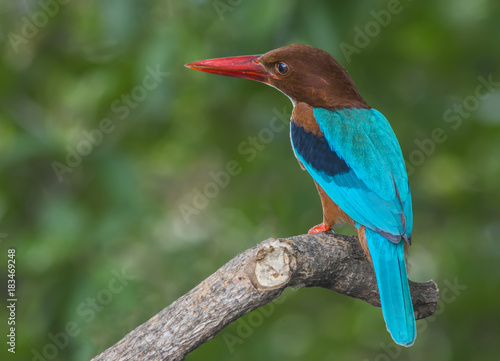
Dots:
{"x": 354, "y": 158}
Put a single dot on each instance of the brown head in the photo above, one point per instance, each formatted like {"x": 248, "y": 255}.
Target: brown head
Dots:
{"x": 302, "y": 72}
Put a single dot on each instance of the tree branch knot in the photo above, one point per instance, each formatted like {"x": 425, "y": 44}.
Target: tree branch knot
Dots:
{"x": 274, "y": 263}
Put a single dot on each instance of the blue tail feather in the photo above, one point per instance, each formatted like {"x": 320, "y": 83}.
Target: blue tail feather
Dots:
{"x": 390, "y": 270}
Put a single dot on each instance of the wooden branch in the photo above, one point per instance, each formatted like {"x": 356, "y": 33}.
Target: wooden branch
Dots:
{"x": 252, "y": 279}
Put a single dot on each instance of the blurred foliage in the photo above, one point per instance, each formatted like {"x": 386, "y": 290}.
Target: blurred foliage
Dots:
{"x": 105, "y": 246}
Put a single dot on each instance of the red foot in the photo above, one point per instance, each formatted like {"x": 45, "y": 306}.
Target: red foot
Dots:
{"x": 319, "y": 228}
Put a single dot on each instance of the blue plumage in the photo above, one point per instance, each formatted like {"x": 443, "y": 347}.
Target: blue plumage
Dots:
{"x": 367, "y": 179}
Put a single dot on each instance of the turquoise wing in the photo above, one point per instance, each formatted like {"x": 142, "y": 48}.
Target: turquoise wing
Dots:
{"x": 359, "y": 164}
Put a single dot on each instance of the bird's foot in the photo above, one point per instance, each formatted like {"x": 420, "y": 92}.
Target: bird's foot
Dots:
{"x": 320, "y": 228}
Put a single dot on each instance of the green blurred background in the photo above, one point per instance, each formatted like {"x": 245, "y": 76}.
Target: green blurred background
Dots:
{"x": 103, "y": 245}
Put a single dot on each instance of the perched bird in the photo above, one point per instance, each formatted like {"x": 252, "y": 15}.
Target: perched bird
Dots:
{"x": 352, "y": 153}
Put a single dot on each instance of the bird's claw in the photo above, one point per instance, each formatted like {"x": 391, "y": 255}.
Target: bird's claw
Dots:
{"x": 320, "y": 228}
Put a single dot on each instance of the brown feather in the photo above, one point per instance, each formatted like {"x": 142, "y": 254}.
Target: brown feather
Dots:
{"x": 332, "y": 214}
{"x": 303, "y": 116}
{"x": 362, "y": 241}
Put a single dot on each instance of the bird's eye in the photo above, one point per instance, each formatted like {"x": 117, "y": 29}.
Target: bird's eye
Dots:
{"x": 281, "y": 68}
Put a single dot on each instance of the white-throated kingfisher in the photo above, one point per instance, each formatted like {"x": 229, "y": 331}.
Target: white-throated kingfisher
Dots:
{"x": 352, "y": 153}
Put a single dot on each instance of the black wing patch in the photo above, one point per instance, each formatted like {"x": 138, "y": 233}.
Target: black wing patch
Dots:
{"x": 316, "y": 151}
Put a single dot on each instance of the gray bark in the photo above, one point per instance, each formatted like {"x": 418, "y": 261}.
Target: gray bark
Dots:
{"x": 252, "y": 279}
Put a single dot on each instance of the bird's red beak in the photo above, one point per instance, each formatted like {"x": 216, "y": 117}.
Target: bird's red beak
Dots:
{"x": 246, "y": 67}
